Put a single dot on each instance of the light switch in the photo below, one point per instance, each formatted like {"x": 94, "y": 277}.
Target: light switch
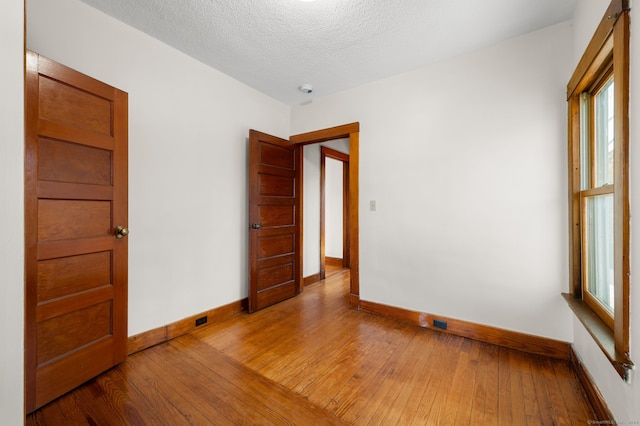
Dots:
{"x": 372, "y": 205}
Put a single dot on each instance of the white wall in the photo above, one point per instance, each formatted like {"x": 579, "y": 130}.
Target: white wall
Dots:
{"x": 11, "y": 212}
{"x": 188, "y": 129}
{"x": 311, "y": 203}
{"x": 466, "y": 161}
{"x": 623, "y": 399}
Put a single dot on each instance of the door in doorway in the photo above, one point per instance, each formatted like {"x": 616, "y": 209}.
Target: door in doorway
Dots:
{"x": 75, "y": 229}
{"x": 274, "y": 220}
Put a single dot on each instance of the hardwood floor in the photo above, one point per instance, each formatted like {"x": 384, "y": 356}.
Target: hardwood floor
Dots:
{"x": 310, "y": 361}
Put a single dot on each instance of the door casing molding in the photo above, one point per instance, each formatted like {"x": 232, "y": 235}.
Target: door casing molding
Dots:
{"x": 352, "y": 132}
{"x": 325, "y": 153}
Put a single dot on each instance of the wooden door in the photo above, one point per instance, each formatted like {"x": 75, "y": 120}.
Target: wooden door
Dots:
{"x": 75, "y": 256}
{"x": 274, "y": 220}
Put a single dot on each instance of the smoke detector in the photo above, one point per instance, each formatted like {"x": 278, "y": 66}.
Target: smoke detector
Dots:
{"x": 306, "y": 88}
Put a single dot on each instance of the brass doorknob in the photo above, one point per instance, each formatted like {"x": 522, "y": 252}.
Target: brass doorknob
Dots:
{"x": 121, "y": 232}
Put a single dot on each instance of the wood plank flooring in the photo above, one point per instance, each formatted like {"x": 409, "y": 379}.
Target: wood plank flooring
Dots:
{"x": 313, "y": 361}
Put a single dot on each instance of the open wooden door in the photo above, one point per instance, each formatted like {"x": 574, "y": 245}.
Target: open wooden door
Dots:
{"x": 75, "y": 221}
{"x": 274, "y": 220}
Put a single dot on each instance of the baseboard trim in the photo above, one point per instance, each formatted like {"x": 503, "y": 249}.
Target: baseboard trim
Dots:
{"x": 311, "y": 279}
{"x": 597, "y": 401}
{"x": 147, "y": 339}
{"x": 171, "y": 331}
{"x": 497, "y": 336}
{"x": 333, "y": 261}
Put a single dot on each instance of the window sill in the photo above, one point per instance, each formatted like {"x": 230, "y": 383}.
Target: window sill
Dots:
{"x": 602, "y": 335}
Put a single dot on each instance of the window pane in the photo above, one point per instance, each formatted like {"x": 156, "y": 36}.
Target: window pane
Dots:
{"x": 599, "y": 248}
{"x": 604, "y": 135}
{"x": 585, "y": 162}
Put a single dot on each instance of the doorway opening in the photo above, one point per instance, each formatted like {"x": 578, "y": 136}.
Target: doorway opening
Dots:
{"x": 352, "y": 133}
{"x": 334, "y": 209}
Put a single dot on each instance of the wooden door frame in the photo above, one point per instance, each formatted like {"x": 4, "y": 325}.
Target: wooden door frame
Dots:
{"x": 352, "y": 132}
{"x": 326, "y": 152}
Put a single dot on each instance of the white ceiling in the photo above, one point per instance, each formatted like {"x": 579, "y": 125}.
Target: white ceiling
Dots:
{"x": 276, "y": 46}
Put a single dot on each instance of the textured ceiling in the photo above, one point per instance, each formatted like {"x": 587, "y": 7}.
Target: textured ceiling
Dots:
{"x": 277, "y": 45}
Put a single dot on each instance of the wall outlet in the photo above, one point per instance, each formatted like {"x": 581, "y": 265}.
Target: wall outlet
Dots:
{"x": 440, "y": 324}
{"x": 201, "y": 320}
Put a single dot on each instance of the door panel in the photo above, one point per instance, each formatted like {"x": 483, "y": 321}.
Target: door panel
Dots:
{"x": 73, "y": 106}
{"x": 276, "y": 246}
{"x": 81, "y": 326}
{"x": 73, "y": 274}
{"x": 71, "y": 219}
{"x": 73, "y": 163}
{"x": 276, "y": 186}
{"x": 272, "y": 216}
{"x": 75, "y": 197}
{"x": 276, "y": 155}
{"x": 274, "y": 231}
{"x": 268, "y": 277}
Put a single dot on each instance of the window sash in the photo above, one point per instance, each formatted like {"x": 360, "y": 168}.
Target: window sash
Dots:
{"x": 603, "y": 134}
{"x": 598, "y": 253}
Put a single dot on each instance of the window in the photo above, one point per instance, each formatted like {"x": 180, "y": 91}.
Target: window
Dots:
{"x": 598, "y": 97}
{"x": 596, "y": 197}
